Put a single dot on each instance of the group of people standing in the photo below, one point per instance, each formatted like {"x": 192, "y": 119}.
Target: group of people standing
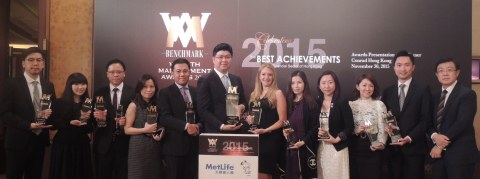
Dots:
{"x": 347, "y": 139}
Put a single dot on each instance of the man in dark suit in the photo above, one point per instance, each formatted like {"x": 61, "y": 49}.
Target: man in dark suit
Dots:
{"x": 25, "y": 140}
{"x": 180, "y": 144}
{"x": 409, "y": 102}
{"x": 455, "y": 151}
{"x": 212, "y": 90}
{"x": 110, "y": 144}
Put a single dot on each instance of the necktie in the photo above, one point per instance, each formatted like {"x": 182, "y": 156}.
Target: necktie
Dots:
{"x": 225, "y": 81}
{"x": 115, "y": 98}
{"x": 184, "y": 94}
{"x": 441, "y": 109}
{"x": 36, "y": 104}
{"x": 401, "y": 97}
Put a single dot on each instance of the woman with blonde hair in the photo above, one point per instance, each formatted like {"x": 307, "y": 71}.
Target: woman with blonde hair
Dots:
{"x": 274, "y": 111}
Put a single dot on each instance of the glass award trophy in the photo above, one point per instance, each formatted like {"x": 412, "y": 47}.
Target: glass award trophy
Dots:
{"x": 323, "y": 120}
{"x": 118, "y": 114}
{"x": 256, "y": 113}
{"x": 86, "y": 106}
{"x": 190, "y": 113}
{"x": 45, "y": 103}
{"x": 152, "y": 116}
{"x": 100, "y": 105}
{"x": 291, "y": 138}
{"x": 372, "y": 132}
{"x": 391, "y": 121}
{"x": 232, "y": 98}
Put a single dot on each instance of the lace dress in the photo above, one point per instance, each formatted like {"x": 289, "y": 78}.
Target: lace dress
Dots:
{"x": 365, "y": 163}
{"x": 332, "y": 163}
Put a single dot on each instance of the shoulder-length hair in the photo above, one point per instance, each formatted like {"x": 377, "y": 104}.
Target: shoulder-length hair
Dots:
{"x": 369, "y": 77}
{"x": 336, "y": 93}
{"x": 307, "y": 95}
{"x": 74, "y": 78}
{"x": 257, "y": 91}
{"x": 140, "y": 85}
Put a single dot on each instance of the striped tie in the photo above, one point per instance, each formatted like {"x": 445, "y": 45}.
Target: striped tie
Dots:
{"x": 441, "y": 109}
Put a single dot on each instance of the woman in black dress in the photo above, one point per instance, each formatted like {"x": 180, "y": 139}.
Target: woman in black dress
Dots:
{"x": 273, "y": 104}
{"x": 71, "y": 145}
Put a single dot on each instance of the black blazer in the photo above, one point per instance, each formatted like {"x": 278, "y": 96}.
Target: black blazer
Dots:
{"x": 310, "y": 122}
{"x": 103, "y": 136}
{"x": 211, "y": 100}
{"x": 172, "y": 115}
{"x": 64, "y": 113}
{"x": 340, "y": 122}
{"x": 17, "y": 111}
{"x": 457, "y": 125}
{"x": 415, "y": 115}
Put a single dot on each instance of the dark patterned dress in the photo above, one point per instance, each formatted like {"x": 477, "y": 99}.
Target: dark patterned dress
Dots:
{"x": 144, "y": 152}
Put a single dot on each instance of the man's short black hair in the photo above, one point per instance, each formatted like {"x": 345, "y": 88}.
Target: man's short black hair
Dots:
{"x": 115, "y": 61}
{"x": 404, "y": 53}
{"x": 445, "y": 60}
{"x": 222, "y": 46}
{"x": 31, "y": 50}
{"x": 180, "y": 61}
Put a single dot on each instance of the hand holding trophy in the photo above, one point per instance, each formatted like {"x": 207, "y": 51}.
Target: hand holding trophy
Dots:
{"x": 392, "y": 127}
{"x": 100, "y": 113}
{"x": 85, "y": 111}
{"x": 289, "y": 134}
{"x": 323, "y": 129}
{"x": 152, "y": 115}
{"x": 42, "y": 114}
{"x": 119, "y": 119}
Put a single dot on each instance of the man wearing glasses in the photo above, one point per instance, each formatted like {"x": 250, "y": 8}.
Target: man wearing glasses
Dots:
{"x": 110, "y": 144}
{"x": 20, "y": 106}
{"x": 454, "y": 107}
{"x": 212, "y": 90}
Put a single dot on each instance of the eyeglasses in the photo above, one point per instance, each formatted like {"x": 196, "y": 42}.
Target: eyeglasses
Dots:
{"x": 224, "y": 57}
{"x": 31, "y": 60}
{"x": 115, "y": 72}
{"x": 448, "y": 70}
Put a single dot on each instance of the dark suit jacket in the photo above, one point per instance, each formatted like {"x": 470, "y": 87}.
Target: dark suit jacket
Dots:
{"x": 340, "y": 122}
{"x": 414, "y": 118}
{"x": 457, "y": 125}
{"x": 310, "y": 122}
{"x": 103, "y": 136}
{"x": 172, "y": 115}
{"x": 17, "y": 111}
{"x": 211, "y": 100}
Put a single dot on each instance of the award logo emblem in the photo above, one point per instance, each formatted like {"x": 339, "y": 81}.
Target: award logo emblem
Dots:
{"x": 323, "y": 119}
{"x": 391, "y": 121}
{"x": 100, "y": 105}
{"x": 190, "y": 113}
{"x": 86, "y": 107}
{"x": 291, "y": 138}
{"x": 212, "y": 145}
{"x": 232, "y": 98}
{"x": 256, "y": 113}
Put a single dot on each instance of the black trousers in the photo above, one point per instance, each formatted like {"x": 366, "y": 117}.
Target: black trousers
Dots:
{"x": 403, "y": 166}
{"x": 185, "y": 167}
{"x": 442, "y": 170}
{"x": 113, "y": 164}
{"x": 25, "y": 163}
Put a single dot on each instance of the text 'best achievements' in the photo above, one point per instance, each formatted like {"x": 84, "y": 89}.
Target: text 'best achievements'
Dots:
{"x": 232, "y": 98}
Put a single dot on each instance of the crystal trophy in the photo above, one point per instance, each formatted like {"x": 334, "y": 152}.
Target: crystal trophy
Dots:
{"x": 86, "y": 107}
{"x": 372, "y": 132}
{"x": 291, "y": 138}
{"x": 256, "y": 113}
{"x": 152, "y": 116}
{"x": 45, "y": 103}
{"x": 232, "y": 98}
{"x": 100, "y": 105}
{"x": 118, "y": 114}
{"x": 323, "y": 119}
{"x": 391, "y": 121}
{"x": 190, "y": 113}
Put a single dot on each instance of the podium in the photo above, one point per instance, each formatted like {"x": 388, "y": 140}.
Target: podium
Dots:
{"x": 229, "y": 156}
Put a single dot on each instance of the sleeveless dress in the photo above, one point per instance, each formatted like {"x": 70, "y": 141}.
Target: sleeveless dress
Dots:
{"x": 143, "y": 152}
{"x": 332, "y": 163}
{"x": 269, "y": 143}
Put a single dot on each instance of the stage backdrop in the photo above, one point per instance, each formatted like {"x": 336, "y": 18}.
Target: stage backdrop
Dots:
{"x": 348, "y": 37}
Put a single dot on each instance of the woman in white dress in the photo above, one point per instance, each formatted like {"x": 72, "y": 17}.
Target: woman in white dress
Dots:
{"x": 370, "y": 136}
{"x": 336, "y": 128}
